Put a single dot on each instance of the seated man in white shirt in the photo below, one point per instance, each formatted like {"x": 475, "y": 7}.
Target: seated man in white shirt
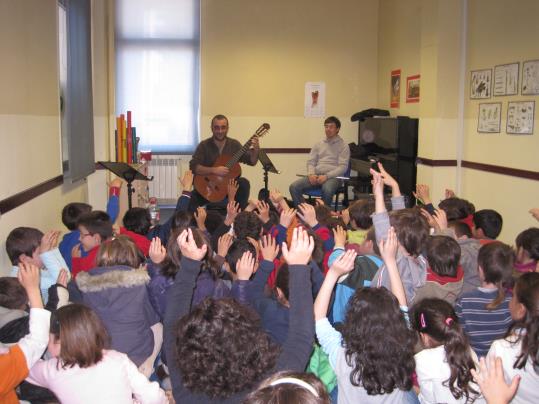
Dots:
{"x": 328, "y": 159}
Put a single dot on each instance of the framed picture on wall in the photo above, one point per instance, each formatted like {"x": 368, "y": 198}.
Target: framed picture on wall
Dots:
{"x": 395, "y": 89}
{"x": 530, "y": 77}
{"x": 412, "y": 88}
{"x": 480, "y": 84}
{"x": 506, "y": 79}
{"x": 520, "y": 117}
{"x": 489, "y": 117}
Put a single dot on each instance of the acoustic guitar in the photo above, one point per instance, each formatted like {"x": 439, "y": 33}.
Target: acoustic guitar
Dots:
{"x": 215, "y": 187}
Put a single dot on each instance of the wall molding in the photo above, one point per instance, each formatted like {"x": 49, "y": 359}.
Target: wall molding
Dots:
{"x": 287, "y": 150}
{"x": 18, "y": 199}
{"x": 491, "y": 168}
{"x": 436, "y": 163}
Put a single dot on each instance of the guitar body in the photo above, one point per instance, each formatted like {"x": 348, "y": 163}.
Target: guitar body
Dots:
{"x": 214, "y": 187}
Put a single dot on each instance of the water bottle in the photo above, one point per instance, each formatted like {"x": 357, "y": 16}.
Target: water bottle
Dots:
{"x": 154, "y": 211}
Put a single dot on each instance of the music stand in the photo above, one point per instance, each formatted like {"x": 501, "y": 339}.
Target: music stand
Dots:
{"x": 128, "y": 173}
{"x": 268, "y": 166}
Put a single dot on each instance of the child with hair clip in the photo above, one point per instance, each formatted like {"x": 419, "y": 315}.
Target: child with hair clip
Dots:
{"x": 444, "y": 366}
{"x": 217, "y": 351}
{"x": 519, "y": 350}
{"x": 484, "y": 313}
{"x": 289, "y": 387}
{"x": 372, "y": 356}
{"x": 83, "y": 370}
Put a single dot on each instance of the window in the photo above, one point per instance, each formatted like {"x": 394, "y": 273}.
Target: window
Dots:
{"x": 157, "y": 71}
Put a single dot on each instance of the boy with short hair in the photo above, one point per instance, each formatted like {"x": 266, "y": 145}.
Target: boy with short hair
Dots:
{"x": 29, "y": 245}
{"x": 487, "y": 225}
{"x": 360, "y": 213}
{"x": 444, "y": 274}
{"x": 72, "y": 212}
{"x": 412, "y": 231}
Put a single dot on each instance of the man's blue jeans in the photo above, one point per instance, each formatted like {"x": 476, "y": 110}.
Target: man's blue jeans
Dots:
{"x": 298, "y": 187}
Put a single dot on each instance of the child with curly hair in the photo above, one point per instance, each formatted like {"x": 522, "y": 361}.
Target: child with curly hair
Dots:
{"x": 373, "y": 354}
{"x": 217, "y": 352}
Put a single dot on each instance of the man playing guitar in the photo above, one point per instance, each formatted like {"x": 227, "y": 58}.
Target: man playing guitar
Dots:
{"x": 207, "y": 153}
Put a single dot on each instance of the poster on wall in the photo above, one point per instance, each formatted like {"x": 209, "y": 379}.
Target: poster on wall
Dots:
{"x": 395, "y": 90}
{"x": 315, "y": 99}
{"x": 489, "y": 118}
{"x": 412, "y": 88}
{"x": 480, "y": 84}
{"x": 520, "y": 117}
{"x": 506, "y": 79}
{"x": 530, "y": 77}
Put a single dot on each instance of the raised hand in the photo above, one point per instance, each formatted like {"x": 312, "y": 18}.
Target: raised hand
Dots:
{"x": 75, "y": 251}
{"x": 49, "y": 241}
{"x": 319, "y": 202}
{"x": 232, "y": 210}
{"x": 535, "y": 213}
{"x": 430, "y": 219}
{"x": 386, "y": 177}
{"x": 187, "y": 181}
{"x": 157, "y": 252}
{"x": 388, "y": 247}
{"x": 449, "y": 193}
{"x": 224, "y": 243}
{"x": 62, "y": 277}
{"x": 440, "y": 217}
{"x": 200, "y": 218}
{"x": 345, "y": 216}
{"x": 422, "y": 193}
{"x": 263, "y": 211}
{"x": 28, "y": 276}
{"x": 377, "y": 183}
{"x": 268, "y": 247}
{"x": 245, "y": 266}
{"x": 276, "y": 197}
{"x": 307, "y": 214}
{"x": 301, "y": 248}
{"x": 232, "y": 189}
{"x": 287, "y": 215}
{"x": 339, "y": 234}
{"x": 492, "y": 383}
{"x": 344, "y": 264}
{"x": 188, "y": 246}
{"x": 116, "y": 183}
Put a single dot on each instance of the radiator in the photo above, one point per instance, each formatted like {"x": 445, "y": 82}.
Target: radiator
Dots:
{"x": 165, "y": 172}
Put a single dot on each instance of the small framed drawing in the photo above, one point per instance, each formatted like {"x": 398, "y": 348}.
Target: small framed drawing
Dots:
{"x": 480, "y": 84}
{"x": 520, "y": 117}
{"x": 412, "y": 88}
{"x": 530, "y": 77}
{"x": 395, "y": 90}
{"x": 489, "y": 118}
{"x": 506, "y": 79}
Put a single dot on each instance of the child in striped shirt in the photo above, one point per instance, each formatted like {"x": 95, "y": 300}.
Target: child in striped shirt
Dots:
{"x": 484, "y": 312}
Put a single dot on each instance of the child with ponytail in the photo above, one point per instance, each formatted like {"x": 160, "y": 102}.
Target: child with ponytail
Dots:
{"x": 519, "y": 350}
{"x": 444, "y": 367}
{"x": 484, "y": 312}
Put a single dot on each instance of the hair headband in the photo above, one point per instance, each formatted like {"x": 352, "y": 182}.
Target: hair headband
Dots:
{"x": 297, "y": 382}
{"x": 449, "y": 321}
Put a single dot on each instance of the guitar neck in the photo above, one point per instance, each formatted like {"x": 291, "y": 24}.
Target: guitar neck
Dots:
{"x": 237, "y": 156}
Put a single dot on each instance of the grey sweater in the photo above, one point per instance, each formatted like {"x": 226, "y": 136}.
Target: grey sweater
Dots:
{"x": 329, "y": 157}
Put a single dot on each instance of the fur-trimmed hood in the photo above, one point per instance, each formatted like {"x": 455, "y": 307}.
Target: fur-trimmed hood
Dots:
{"x": 101, "y": 278}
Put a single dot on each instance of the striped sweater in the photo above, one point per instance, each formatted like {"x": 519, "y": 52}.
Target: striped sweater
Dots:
{"x": 481, "y": 324}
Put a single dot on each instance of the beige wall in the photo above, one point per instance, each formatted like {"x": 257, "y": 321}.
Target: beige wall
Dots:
{"x": 425, "y": 36}
{"x": 501, "y": 31}
{"x": 29, "y": 115}
{"x": 257, "y": 55}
